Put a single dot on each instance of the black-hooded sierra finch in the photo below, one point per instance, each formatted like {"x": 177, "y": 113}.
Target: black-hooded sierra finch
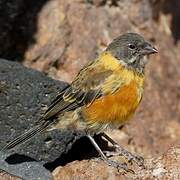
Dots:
{"x": 104, "y": 95}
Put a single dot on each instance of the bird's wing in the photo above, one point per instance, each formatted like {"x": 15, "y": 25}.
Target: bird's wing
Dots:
{"x": 83, "y": 91}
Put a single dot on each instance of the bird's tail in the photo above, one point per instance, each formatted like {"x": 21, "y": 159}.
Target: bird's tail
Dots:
{"x": 27, "y": 135}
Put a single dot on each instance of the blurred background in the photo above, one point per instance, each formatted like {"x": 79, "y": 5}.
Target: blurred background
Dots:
{"x": 57, "y": 37}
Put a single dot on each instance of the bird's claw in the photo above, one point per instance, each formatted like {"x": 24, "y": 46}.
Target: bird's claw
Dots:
{"x": 130, "y": 157}
{"x": 137, "y": 159}
{"x": 119, "y": 166}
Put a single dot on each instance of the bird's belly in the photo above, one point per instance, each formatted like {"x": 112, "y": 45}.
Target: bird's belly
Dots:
{"x": 114, "y": 109}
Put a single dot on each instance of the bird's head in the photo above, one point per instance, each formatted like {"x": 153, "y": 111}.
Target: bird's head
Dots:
{"x": 130, "y": 49}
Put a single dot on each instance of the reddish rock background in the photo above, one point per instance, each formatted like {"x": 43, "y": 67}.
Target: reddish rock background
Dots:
{"x": 164, "y": 167}
{"x": 58, "y": 37}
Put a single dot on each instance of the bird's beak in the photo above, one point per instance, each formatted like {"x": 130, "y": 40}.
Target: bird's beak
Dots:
{"x": 148, "y": 49}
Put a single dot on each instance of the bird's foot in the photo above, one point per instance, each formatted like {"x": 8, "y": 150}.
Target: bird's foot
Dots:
{"x": 119, "y": 151}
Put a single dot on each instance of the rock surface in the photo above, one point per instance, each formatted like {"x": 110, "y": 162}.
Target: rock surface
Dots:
{"x": 24, "y": 93}
{"x": 167, "y": 166}
{"x": 26, "y": 170}
{"x": 6, "y": 176}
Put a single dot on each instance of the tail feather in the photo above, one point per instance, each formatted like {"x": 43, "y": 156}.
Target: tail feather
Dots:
{"x": 26, "y": 136}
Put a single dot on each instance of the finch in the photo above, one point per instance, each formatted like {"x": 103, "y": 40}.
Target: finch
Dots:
{"x": 104, "y": 95}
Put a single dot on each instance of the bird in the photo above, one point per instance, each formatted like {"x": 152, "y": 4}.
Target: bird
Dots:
{"x": 103, "y": 96}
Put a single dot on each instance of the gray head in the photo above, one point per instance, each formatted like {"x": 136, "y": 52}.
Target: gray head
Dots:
{"x": 130, "y": 49}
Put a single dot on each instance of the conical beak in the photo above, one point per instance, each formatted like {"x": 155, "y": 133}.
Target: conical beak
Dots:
{"x": 148, "y": 49}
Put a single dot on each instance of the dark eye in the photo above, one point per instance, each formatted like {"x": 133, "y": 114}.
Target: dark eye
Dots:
{"x": 131, "y": 46}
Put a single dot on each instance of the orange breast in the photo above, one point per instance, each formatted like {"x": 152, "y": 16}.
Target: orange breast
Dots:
{"x": 115, "y": 108}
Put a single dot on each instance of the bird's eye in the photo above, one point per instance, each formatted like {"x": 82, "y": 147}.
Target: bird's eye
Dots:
{"x": 131, "y": 46}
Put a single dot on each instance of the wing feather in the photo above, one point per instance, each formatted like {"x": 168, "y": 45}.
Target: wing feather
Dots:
{"x": 83, "y": 91}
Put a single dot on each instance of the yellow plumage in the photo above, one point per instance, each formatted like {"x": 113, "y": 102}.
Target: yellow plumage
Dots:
{"x": 123, "y": 92}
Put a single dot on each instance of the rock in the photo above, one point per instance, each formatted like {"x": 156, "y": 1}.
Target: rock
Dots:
{"x": 24, "y": 93}
{"x": 26, "y": 170}
{"x": 6, "y": 176}
{"x": 166, "y": 166}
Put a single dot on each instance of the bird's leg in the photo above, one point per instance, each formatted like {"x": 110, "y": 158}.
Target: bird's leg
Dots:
{"x": 115, "y": 164}
{"x": 123, "y": 152}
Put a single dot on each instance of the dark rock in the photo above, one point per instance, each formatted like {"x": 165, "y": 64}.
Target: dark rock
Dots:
{"x": 27, "y": 170}
{"x": 23, "y": 94}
